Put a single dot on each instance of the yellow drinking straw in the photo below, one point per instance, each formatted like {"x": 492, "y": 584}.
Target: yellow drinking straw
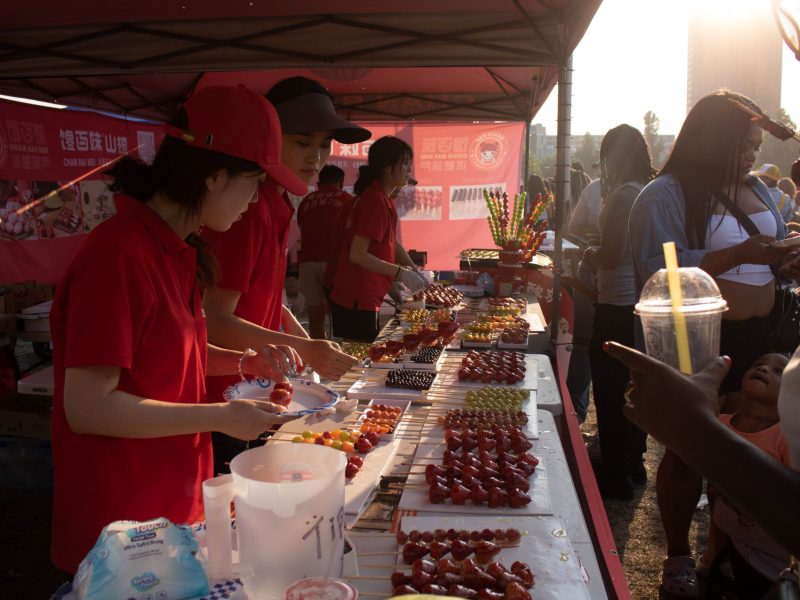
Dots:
{"x": 674, "y": 282}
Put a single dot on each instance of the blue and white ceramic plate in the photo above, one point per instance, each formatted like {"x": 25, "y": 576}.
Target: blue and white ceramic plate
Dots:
{"x": 307, "y": 397}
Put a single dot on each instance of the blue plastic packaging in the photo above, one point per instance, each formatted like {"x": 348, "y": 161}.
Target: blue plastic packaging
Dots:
{"x": 135, "y": 559}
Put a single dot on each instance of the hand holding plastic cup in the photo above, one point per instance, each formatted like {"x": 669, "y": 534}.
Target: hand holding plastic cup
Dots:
{"x": 686, "y": 335}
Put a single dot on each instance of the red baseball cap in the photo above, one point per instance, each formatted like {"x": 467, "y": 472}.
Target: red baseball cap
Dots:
{"x": 235, "y": 120}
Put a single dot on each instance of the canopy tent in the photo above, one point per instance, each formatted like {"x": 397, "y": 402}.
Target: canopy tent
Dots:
{"x": 483, "y": 61}
{"x": 415, "y": 60}
{"x": 488, "y": 60}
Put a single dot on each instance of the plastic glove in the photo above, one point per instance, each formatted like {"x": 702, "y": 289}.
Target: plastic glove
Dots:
{"x": 411, "y": 279}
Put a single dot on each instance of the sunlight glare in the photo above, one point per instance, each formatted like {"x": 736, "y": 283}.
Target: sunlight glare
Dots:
{"x": 788, "y": 19}
{"x": 730, "y": 10}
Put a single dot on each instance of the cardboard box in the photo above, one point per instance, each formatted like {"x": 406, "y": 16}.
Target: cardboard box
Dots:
{"x": 14, "y": 297}
{"x": 33, "y": 322}
{"x": 25, "y": 416}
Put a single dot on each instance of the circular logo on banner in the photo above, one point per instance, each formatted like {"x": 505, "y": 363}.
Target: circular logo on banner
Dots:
{"x": 488, "y": 150}
{"x": 3, "y": 146}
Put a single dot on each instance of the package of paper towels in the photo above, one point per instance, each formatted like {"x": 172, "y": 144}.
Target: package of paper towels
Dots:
{"x": 132, "y": 559}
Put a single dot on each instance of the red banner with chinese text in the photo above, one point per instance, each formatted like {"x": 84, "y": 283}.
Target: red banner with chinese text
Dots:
{"x": 55, "y": 156}
{"x": 51, "y": 187}
{"x": 453, "y": 163}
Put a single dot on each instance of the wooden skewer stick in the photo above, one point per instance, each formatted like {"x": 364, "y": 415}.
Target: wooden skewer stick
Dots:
{"x": 445, "y": 402}
{"x": 422, "y": 457}
{"x": 414, "y": 486}
{"x": 445, "y": 392}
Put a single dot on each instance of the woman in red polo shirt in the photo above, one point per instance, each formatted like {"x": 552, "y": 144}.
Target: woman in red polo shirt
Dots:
{"x": 246, "y": 308}
{"x": 131, "y": 425}
{"x": 370, "y": 256}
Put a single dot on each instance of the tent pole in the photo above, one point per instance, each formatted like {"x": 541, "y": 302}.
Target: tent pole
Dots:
{"x": 562, "y": 182}
{"x": 527, "y": 159}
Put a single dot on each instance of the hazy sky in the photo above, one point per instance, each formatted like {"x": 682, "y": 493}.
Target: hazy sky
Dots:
{"x": 633, "y": 59}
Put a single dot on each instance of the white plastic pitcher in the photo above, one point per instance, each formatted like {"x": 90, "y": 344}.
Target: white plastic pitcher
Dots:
{"x": 289, "y": 501}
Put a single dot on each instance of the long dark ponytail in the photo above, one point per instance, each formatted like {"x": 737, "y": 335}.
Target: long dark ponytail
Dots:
{"x": 624, "y": 156}
{"x": 384, "y": 152}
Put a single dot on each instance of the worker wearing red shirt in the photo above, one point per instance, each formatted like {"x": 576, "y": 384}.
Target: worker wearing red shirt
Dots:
{"x": 246, "y": 308}
{"x": 316, "y": 216}
{"x": 131, "y": 424}
{"x": 370, "y": 256}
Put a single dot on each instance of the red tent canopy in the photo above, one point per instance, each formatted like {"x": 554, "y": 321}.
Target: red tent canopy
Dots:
{"x": 486, "y": 60}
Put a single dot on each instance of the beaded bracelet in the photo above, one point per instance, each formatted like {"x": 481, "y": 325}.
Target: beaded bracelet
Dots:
{"x": 248, "y": 352}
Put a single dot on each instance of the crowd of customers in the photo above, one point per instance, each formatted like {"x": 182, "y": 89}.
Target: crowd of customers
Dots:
{"x": 723, "y": 210}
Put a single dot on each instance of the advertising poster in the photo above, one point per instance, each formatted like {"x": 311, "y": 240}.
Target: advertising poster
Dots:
{"x": 52, "y": 189}
{"x": 453, "y": 164}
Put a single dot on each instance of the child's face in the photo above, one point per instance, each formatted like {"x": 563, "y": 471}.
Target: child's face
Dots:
{"x": 762, "y": 381}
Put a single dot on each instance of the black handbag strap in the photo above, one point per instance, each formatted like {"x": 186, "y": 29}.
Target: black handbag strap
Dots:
{"x": 741, "y": 216}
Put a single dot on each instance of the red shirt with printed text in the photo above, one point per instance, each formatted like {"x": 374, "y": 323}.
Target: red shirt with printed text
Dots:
{"x": 316, "y": 216}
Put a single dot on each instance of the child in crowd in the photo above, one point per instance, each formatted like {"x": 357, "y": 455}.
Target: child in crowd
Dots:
{"x": 756, "y": 560}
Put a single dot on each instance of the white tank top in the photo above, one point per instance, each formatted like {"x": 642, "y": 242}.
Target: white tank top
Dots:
{"x": 724, "y": 231}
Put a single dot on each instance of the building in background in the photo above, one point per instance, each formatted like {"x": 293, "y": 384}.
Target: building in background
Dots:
{"x": 741, "y": 53}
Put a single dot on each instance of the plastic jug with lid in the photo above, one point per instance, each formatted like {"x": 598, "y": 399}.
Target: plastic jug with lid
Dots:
{"x": 289, "y": 501}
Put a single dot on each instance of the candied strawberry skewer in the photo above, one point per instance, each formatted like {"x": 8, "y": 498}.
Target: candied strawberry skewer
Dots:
{"x": 495, "y": 496}
{"x": 467, "y": 580}
{"x": 511, "y": 535}
{"x": 413, "y": 552}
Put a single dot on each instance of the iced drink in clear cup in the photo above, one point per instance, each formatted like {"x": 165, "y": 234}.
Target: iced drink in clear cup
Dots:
{"x": 702, "y": 310}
